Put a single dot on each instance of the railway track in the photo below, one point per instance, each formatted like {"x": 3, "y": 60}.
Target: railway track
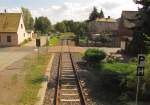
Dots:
{"x": 68, "y": 89}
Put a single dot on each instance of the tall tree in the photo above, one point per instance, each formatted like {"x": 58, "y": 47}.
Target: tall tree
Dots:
{"x": 28, "y": 19}
{"x": 141, "y": 37}
{"x": 101, "y": 14}
{"x": 94, "y": 14}
{"x": 42, "y": 24}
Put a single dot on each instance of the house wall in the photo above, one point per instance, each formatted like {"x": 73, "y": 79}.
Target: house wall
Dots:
{"x": 123, "y": 32}
{"x": 103, "y": 28}
{"x": 22, "y": 34}
{"x": 3, "y": 39}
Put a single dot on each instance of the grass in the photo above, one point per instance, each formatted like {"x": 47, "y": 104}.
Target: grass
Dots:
{"x": 115, "y": 83}
{"x": 35, "y": 69}
{"x": 111, "y": 79}
{"x": 54, "y": 40}
{"x": 119, "y": 67}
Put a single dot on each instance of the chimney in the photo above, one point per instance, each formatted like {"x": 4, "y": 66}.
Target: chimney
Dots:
{"x": 108, "y": 17}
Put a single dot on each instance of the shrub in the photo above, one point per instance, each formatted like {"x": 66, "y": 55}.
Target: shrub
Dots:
{"x": 94, "y": 55}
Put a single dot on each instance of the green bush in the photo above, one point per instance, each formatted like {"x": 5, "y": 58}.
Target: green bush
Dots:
{"x": 94, "y": 55}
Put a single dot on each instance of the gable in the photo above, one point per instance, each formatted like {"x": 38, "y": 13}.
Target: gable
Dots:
{"x": 9, "y": 22}
{"x": 129, "y": 18}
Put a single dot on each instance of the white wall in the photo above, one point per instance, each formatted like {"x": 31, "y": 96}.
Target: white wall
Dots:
{"x": 22, "y": 34}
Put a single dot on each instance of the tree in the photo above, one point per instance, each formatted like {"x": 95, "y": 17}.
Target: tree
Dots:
{"x": 141, "y": 37}
{"x": 28, "y": 19}
{"x": 42, "y": 24}
{"x": 101, "y": 14}
{"x": 94, "y": 14}
{"x": 61, "y": 27}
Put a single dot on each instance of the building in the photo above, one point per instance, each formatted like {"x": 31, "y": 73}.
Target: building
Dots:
{"x": 31, "y": 34}
{"x": 104, "y": 26}
{"x": 12, "y": 29}
{"x": 126, "y": 24}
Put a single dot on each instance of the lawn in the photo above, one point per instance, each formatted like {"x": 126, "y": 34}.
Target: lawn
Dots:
{"x": 35, "y": 69}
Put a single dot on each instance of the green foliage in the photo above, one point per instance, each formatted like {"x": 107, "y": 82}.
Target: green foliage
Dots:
{"x": 94, "y": 14}
{"x": 142, "y": 30}
{"x": 28, "y": 19}
{"x": 119, "y": 67}
{"x": 78, "y": 28}
{"x": 54, "y": 40}
{"x": 61, "y": 27}
{"x": 94, "y": 55}
{"x": 101, "y": 14}
{"x": 42, "y": 24}
{"x": 104, "y": 39}
{"x": 137, "y": 44}
{"x": 146, "y": 77}
{"x": 109, "y": 82}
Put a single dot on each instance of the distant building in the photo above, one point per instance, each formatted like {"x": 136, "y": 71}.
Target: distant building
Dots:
{"x": 31, "y": 34}
{"x": 104, "y": 26}
{"x": 126, "y": 24}
{"x": 12, "y": 29}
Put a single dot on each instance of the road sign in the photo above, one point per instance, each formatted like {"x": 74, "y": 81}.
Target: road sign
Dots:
{"x": 38, "y": 43}
{"x": 140, "y": 71}
{"x": 141, "y": 60}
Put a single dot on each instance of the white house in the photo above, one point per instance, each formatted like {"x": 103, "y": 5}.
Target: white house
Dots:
{"x": 12, "y": 29}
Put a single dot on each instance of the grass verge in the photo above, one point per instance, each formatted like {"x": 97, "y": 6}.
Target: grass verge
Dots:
{"x": 35, "y": 69}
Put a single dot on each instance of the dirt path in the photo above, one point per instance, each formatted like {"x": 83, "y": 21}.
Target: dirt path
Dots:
{"x": 11, "y": 85}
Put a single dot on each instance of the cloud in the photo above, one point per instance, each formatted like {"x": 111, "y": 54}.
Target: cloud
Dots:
{"x": 79, "y": 10}
{"x": 110, "y": 5}
{"x": 15, "y": 10}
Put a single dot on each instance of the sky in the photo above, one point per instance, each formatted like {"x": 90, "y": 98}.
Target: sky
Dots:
{"x": 77, "y": 10}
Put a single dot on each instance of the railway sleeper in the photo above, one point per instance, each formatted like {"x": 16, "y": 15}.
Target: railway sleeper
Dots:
{"x": 70, "y": 97}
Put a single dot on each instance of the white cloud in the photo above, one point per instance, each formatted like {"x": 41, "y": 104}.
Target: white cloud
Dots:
{"x": 15, "y": 10}
{"x": 79, "y": 10}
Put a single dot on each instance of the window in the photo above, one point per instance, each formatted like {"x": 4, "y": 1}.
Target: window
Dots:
{"x": 8, "y": 38}
{"x": 21, "y": 25}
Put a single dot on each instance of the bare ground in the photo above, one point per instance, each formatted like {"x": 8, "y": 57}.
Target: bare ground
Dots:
{"x": 11, "y": 85}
